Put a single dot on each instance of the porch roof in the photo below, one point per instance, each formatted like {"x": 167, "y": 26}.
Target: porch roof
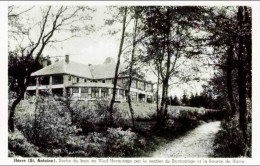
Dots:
{"x": 93, "y": 84}
{"x": 61, "y": 67}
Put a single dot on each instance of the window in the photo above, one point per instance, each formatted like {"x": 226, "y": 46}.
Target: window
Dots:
{"x": 103, "y": 81}
{"x": 84, "y": 90}
{"x": 104, "y": 92}
{"x": 57, "y": 79}
{"x": 133, "y": 94}
{"x": 75, "y": 90}
{"x": 149, "y": 87}
{"x": 94, "y": 92}
{"x": 120, "y": 92}
{"x": 133, "y": 85}
{"x": 77, "y": 79}
{"x": 85, "y": 80}
{"x": 140, "y": 85}
{"x": 69, "y": 78}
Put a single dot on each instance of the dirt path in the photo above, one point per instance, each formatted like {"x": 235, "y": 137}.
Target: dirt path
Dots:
{"x": 196, "y": 143}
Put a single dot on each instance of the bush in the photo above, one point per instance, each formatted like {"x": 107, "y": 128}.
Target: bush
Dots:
{"x": 91, "y": 116}
{"x": 83, "y": 146}
{"x": 44, "y": 122}
{"x": 18, "y": 145}
{"x": 229, "y": 141}
{"x": 120, "y": 143}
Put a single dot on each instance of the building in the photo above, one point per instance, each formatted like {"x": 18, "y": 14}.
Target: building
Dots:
{"x": 89, "y": 82}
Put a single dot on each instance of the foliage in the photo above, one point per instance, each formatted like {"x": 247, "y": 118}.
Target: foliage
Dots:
{"x": 84, "y": 146}
{"x": 91, "y": 116}
{"x": 146, "y": 111}
{"x": 229, "y": 141}
{"x": 120, "y": 143}
{"x": 185, "y": 100}
{"x": 19, "y": 146}
{"x": 203, "y": 100}
{"x": 174, "y": 101}
{"x": 47, "y": 124}
{"x": 17, "y": 70}
{"x": 43, "y": 122}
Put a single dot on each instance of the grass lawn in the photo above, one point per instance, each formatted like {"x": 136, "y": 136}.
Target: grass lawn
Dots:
{"x": 148, "y": 110}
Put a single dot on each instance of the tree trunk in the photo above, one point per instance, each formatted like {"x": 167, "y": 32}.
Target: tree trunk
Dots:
{"x": 242, "y": 77}
{"x": 229, "y": 82}
{"x": 157, "y": 96}
{"x": 242, "y": 96}
{"x": 12, "y": 111}
{"x": 166, "y": 85}
{"x": 111, "y": 121}
{"x": 166, "y": 80}
{"x": 160, "y": 115}
{"x": 131, "y": 73}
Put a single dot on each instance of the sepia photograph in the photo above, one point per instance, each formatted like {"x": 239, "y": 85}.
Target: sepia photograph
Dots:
{"x": 129, "y": 81}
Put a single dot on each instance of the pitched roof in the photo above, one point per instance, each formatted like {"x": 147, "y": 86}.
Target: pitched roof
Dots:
{"x": 106, "y": 70}
{"x": 62, "y": 67}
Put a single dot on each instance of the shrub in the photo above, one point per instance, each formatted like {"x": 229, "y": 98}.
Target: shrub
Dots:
{"x": 83, "y": 146}
{"x": 229, "y": 141}
{"x": 120, "y": 143}
{"x": 91, "y": 116}
{"x": 189, "y": 119}
{"x": 45, "y": 122}
{"x": 18, "y": 145}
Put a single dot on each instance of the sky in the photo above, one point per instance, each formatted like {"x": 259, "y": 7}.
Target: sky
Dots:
{"x": 92, "y": 48}
{"x": 95, "y": 47}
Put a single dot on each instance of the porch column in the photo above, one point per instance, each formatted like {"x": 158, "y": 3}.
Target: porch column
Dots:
{"x": 137, "y": 97}
{"x": 37, "y": 85}
{"x": 89, "y": 92}
{"x": 117, "y": 94}
{"x": 64, "y": 91}
{"x": 79, "y": 92}
{"x": 145, "y": 98}
{"x": 109, "y": 92}
{"x": 99, "y": 92}
{"x": 124, "y": 97}
{"x": 50, "y": 84}
{"x": 25, "y": 95}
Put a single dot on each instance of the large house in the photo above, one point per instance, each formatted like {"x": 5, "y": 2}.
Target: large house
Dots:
{"x": 89, "y": 82}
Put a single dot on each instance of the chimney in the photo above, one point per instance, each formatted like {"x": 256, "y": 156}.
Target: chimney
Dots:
{"x": 46, "y": 61}
{"x": 67, "y": 58}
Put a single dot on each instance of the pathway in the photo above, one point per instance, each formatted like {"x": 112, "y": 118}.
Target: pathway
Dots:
{"x": 196, "y": 143}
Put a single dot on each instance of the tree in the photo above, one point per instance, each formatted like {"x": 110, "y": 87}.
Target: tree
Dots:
{"x": 124, "y": 11}
{"x": 175, "y": 101}
{"x": 185, "y": 100}
{"x": 169, "y": 30}
{"x": 136, "y": 11}
{"x": 230, "y": 29}
{"x": 33, "y": 34}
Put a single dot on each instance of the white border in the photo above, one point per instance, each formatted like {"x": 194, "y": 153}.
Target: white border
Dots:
{"x": 4, "y": 54}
